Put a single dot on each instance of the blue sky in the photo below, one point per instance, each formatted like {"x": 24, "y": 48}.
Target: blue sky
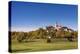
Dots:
{"x": 27, "y": 16}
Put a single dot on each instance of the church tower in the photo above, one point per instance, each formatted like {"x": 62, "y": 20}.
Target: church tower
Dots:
{"x": 57, "y": 26}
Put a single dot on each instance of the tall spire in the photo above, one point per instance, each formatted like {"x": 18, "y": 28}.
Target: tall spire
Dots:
{"x": 56, "y": 24}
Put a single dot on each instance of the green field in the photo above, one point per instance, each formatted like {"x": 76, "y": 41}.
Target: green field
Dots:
{"x": 42, "y": 45}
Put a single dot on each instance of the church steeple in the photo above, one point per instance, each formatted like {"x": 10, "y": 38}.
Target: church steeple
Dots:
{"x": 56, "y": 25}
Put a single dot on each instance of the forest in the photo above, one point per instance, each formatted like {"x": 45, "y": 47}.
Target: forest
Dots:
{"x": 41, "y": 33}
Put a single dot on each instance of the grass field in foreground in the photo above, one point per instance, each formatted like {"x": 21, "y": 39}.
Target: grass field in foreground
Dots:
{"x": 42, "y": 45}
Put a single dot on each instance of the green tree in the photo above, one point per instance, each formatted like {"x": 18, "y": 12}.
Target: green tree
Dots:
{"x": 41, "y": 32}
{"x": 69, "y": 35}
{"x": 75, "y": 34}
{"x": 50, "y": 31}
{"x": 21, "y": 36}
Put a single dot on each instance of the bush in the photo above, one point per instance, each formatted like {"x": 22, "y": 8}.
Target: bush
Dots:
{"x": 48, "y": 41}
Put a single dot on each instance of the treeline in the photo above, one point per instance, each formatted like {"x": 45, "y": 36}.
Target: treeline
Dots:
{"x": 44, "y": 34}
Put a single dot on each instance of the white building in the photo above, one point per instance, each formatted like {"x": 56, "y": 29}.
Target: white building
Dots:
{"x": 57, "y": 26}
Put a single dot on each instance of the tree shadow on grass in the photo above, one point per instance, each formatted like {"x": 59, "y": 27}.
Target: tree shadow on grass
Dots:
{"x": 29, "y": 41}
{"x": 20, "y": 50}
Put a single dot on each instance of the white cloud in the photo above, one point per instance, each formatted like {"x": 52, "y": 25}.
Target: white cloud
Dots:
{"x": 24, "y": 29}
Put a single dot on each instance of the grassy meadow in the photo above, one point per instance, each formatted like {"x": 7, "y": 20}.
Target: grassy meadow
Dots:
{"x": 42, "y": 45}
